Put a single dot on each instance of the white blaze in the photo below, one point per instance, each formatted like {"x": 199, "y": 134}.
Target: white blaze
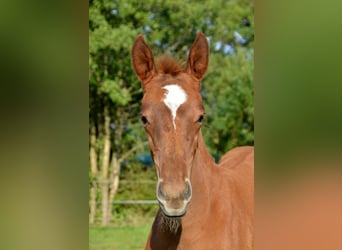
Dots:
{"x": 174, "y": 97}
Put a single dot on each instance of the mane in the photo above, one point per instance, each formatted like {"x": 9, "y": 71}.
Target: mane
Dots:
{"x": 168, "y": 65}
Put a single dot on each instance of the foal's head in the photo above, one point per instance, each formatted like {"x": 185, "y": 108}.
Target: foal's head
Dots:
{"x": 172, "y": 114}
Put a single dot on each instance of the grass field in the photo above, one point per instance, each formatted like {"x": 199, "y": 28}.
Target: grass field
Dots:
{"x": 118, "y": 238}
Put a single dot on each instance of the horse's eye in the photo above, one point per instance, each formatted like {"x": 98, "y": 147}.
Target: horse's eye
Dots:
{"x": 200, "y": 119}
{"x": 144, "y": 120}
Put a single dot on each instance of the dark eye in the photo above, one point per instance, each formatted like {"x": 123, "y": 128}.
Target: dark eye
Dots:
{"x": 144, "y": 120}
{"x": 200, "y": 119}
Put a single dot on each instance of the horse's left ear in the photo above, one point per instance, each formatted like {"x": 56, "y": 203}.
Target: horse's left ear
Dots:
{"x": 198, "y": 59}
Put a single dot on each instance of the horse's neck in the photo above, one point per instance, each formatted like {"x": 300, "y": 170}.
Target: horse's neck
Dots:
{"x": 203, "y": 161}
{"x": 202, "y": 171}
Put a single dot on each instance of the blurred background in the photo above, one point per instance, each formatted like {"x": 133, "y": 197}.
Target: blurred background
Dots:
{"x": 54, "y": 59}
{"x": 121, "y": 173}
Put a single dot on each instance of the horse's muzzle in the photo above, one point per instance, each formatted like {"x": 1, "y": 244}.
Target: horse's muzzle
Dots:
{"x": 174, "y": 204}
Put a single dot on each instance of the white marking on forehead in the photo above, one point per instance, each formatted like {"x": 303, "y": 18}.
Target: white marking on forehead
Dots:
{"x": 174, "y": 97}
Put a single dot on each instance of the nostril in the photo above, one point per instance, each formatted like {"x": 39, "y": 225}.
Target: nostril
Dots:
{"x": 187, "y": 192}
{"x": 160, "y": 193}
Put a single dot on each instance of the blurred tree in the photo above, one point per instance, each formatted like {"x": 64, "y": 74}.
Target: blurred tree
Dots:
{"x": 169, "y": 27}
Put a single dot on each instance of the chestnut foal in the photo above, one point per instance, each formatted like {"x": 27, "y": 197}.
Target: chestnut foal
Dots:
{"x": 203, "y": 205}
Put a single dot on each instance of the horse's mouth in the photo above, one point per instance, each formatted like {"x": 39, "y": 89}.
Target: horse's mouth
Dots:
{"x": 173, "y": 216}
{"x": 173, "y": 212}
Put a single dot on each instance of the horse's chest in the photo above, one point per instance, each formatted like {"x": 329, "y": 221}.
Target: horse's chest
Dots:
{"x": 204, "y": 243}
{"x": 203, "y": 237}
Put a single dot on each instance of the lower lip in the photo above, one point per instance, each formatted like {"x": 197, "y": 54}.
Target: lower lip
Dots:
{"x": 172, "y": 216}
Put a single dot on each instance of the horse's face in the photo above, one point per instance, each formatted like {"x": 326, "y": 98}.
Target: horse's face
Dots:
{"x": 172, "y": 114}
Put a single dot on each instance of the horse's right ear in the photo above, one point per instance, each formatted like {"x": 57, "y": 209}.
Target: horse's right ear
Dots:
{"x": 142, "y": 61}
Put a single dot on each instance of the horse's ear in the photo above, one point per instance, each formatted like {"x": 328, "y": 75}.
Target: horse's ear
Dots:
{"x": 142, "y": 61}
{"x": 198, "y": 59}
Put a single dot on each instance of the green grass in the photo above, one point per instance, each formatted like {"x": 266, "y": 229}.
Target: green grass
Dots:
{"x": 118, "y": 238}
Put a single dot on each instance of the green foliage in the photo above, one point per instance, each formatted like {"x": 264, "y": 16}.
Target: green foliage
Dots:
{"x": 228, "y": 100}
